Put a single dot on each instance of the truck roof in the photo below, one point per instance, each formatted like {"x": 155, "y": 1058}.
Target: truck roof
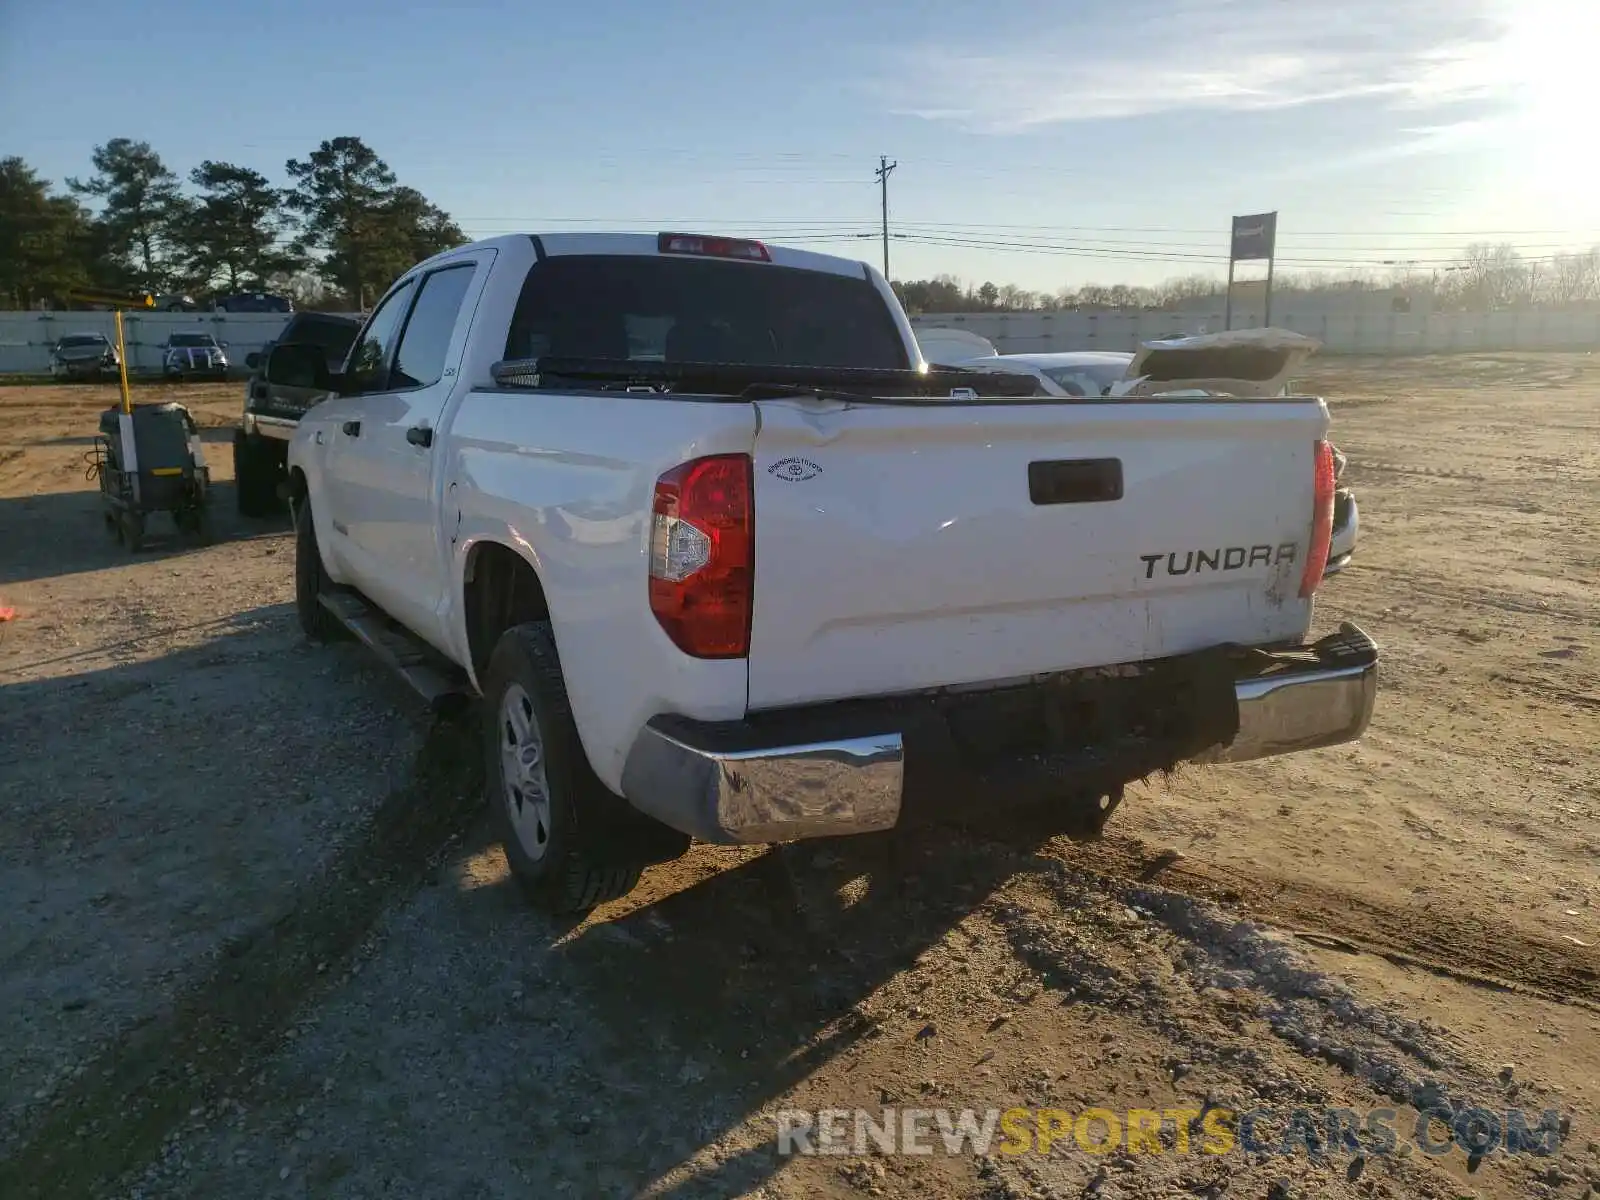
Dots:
{"x": 647, "y": 245}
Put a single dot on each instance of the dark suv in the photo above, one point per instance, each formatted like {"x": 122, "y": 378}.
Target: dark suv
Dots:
{"x": 253, "y": 302}
{"x": 272, "y": 411}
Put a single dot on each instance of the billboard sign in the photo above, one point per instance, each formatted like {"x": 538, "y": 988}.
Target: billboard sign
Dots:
{"x": 1254, "y": 237}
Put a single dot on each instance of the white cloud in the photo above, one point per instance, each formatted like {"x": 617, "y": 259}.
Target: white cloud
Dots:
{"x": 1228, "y": 55}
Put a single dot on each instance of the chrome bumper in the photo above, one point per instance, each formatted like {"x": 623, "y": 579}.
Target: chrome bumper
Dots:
{"x": 731, "y": 788}
{"x": 1321, "y": 697}
{"x": 732, "y": 794}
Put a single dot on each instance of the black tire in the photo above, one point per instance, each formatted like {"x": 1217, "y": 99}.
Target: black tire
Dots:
{"x": 255, "y": 475}
{"x": 577, "y": 866}
{"x": 204, "y": 531}
{"x": 311, "y": 581}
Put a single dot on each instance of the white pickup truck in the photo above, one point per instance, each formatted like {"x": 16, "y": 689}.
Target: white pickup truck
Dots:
{"x": 725, "y": 559}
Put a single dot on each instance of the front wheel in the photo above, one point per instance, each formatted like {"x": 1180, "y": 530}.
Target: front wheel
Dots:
{"x": 547, "y": 806}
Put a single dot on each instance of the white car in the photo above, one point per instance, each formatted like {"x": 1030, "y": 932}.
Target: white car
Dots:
{"x": 1241, "y": 362}
{"x": 720, "y": 557}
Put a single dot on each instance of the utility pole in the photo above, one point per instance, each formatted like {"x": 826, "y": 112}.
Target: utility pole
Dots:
{"x": 882, "y": 174}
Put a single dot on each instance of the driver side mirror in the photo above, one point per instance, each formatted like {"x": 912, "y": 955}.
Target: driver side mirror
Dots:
{"x": 252, "y": 361}
{"x": 300, "y": 365}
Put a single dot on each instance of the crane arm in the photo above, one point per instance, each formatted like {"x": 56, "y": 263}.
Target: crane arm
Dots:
{"x": 117, "y": 299}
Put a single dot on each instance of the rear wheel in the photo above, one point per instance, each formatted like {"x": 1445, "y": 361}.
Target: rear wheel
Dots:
{"x": 548, "y": 808}
{"x": 311, "y": 580}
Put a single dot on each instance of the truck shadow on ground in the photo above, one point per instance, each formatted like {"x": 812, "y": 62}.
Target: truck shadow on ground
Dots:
{"x": 757, "y": 981}
{"x": 703, "y": 1004}
{"x": 64, "y": 533}
{"x": 760, "y": 984}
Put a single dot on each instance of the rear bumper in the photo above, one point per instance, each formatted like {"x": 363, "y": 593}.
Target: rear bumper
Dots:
{"x": 268, "y": 425}
{"x": 1320, "y": 697}
{"x": 734, "y": 782}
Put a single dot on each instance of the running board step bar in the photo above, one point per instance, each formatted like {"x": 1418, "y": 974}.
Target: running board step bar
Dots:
{"x": 443, "y": 687}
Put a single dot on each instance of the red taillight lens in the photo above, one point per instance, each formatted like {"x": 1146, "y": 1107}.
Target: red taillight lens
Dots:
{"x": 1321, "y": 521}
{"x": 702, "y": 555}
{"x": 712, "y": 247}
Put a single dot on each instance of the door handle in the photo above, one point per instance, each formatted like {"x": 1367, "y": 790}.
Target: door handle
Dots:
{"x": 352, "y": 428}
{"x": 420, "y": 435}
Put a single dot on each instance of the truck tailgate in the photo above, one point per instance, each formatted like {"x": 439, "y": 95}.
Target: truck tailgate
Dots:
{"x": 904, "y": 547}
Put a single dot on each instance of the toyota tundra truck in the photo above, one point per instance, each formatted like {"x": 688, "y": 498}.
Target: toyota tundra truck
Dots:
{"x": 717, "y": 555}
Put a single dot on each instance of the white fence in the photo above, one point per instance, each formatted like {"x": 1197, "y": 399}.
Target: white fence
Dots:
{"x": 1340, "y": 333}
{"x": 26, "y": 337}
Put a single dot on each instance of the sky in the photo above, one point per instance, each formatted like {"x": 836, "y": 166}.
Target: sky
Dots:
{"x": 1043, "y": 144}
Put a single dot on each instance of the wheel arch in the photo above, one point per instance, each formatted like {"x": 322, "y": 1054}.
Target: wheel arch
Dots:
{"x": 500, "y": 586}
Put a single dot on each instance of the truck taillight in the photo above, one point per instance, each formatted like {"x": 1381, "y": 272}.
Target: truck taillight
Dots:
{"x": 745, "y": 249}
{"x": 702, "y": 555}
{"x": 1321, "y": 521}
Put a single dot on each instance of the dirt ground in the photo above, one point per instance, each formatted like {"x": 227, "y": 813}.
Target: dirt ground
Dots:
{"x": 257, "y": 942}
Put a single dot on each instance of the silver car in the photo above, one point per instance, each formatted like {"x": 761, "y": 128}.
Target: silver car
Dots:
{"x": 83, "y": 356}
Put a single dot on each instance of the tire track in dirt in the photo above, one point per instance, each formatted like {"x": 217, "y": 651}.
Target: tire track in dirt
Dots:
{"x": 1546, "y": 690}
{"x": 1440, "y": 590}
{"x": 115, "y": 1118}
{"x": 1461, "y": 944}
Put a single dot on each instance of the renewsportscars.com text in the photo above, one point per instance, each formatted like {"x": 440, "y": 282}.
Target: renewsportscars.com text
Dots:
{"x": 1014, "y": 1131}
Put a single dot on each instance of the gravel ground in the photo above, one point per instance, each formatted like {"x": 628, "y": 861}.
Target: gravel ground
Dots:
{"x": 260, "y": 944}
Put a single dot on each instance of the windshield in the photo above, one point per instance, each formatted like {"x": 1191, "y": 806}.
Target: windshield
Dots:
{"x": 1086, "y": 379}
{"x": 672, "y": 309}
{"x": 82, "y": 339}
{"x": 192, "y": 339}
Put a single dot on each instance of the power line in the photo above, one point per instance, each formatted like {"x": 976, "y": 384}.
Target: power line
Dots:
{"x": 1073, "y": 250}
{"x": 882, "y": 173}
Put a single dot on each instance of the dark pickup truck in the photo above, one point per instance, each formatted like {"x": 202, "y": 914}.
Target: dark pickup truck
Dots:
{"x": 273, "y": 410}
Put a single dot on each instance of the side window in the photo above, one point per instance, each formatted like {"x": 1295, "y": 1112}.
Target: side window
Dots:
{"x": 420, "y": 360}
{"x": 368, "y": 369}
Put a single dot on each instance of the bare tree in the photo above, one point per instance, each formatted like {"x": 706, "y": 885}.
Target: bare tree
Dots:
{"x": 1572, "y": 279}
{"x": 1494, "y": 276}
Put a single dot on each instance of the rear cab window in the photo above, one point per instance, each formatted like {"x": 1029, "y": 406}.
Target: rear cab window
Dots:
{"x": 334, "y": 336}
{"x": 673, "y": 309}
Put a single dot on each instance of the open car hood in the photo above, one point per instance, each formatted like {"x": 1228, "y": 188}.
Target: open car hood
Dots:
{"x": 1239, "y": 362}
{"x": 951, "y": 347}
